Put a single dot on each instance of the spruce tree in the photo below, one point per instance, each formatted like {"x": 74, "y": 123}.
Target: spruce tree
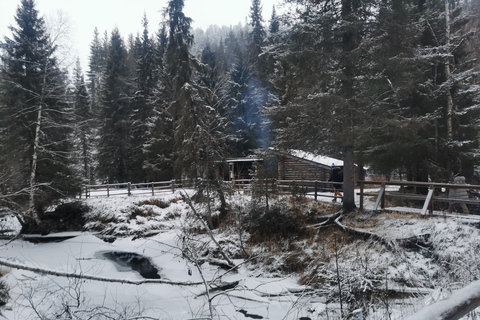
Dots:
{"x": 145, "y": 82}
{"x": 423, "y": 75}
{"x": 188, "y": 131}
{"x": 158, "y": 148}
{"x": 319, "y": 77}
{"x": 274, "y": 22}
{"x": 96, "y": 64}
{"x": 172, "y": 117}
{"x": 258, "y": 32}
{"x": 245, "y": 105}
{"x": 35, "y": 117}
{"x": 84, "y": 128}
{"x": 115, "y": 148}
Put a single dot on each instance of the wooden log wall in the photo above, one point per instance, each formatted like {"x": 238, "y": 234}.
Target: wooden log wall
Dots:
{"x": 293, "y": 169}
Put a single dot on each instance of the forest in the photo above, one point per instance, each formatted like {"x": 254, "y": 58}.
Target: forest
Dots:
{"x": 388, "y": 84}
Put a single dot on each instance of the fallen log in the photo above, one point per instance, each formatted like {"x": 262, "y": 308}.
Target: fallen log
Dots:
{"x": 91, "y": 277}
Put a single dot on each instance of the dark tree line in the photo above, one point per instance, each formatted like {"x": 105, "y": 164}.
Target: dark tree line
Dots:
{"x": 148, "y": 109}
{"x": 388, "y": 83}
{"x": 392, "y": 84}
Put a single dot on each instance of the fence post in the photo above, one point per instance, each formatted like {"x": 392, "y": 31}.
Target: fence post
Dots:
{"x": 361, "y": 195}
{"x": 108, "y": 191}
{"x": 316, "y": 189}
{"x": 153, "y": 189}
{"x": 383, "y": 195}
{"x": 128, "y": 188}
{"x": 173, "y": 185}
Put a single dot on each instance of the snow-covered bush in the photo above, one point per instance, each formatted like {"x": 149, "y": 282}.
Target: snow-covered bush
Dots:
{"x": 4, "y": 293}
{"x": 274, "y": 223}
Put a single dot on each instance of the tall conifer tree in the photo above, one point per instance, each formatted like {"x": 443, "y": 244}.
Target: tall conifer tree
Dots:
{"x": 258, "y": 32}
{"x": 84, "y": 120}
{"x": 96, "y": 64}
{"x": 319, "y": 76}
{"x": 115, "y": 144}
{"x": 145, "y": 82}
{"x": 35, "y": 118}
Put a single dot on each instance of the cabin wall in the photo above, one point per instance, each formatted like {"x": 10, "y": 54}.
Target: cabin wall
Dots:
{"x": 292, "y": 169}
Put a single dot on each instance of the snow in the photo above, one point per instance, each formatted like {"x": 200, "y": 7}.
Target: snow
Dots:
{"x": 79, "y": 255}
{"x": 324, "y": 160}
{"x": 180, "y": 293}
{"x": 439, "y": 309}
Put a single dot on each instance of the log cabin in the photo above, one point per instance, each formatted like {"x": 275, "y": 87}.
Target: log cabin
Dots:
{"x": 239, "y": 168}
{"x": 300, "y": 165}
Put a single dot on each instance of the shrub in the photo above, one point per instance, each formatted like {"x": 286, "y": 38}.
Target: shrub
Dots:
{"x": 154, "y": 202}
{"x": 276, "y": 223}
{"x": 4, "y": 293}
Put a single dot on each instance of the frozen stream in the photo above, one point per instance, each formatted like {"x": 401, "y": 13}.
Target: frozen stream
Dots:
{"x": 253, "y": 297}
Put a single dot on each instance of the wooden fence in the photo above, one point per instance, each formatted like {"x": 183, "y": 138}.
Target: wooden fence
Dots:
{"x": 427, "y": 192}
{"x": 300, "y": 187}
{"x": 120, "y": 189}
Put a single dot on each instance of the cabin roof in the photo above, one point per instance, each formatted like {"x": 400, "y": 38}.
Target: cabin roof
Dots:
{"x": 323, "y": 160}
{"x": 243, "y": 160}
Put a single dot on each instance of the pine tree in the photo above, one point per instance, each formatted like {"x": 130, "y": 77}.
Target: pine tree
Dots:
{"x": 258, "y": 32}
{"x": 171, "y": 124}
{"x": 84, "y": 121}
{"x": 35, "y": 117}
{"x": 245, "y": 88}
{"x": 246, "y": 102}
{"x": 161, "y": 45}
{"x": 158, "y": 148}
{"x": 145, "y": 82}
{"x": 319, "y": 75}
{"x": 221, "y": 60}
{"x": 188, "y": 132}
{"x": 114, "y": 148}
{"x": 96, "y": 64}
{"x": 430, "y": 130}
{"x": 274, "y": 22}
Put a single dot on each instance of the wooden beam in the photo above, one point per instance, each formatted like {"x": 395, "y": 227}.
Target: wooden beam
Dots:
{"x": 459, "y": 304}
{"x": 427, "y": 201}
{"x": 379, "y": 198}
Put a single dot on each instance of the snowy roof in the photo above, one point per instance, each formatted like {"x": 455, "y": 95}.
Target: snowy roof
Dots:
{"x": 243, "y": 160}
{"x": 324, "y": 160}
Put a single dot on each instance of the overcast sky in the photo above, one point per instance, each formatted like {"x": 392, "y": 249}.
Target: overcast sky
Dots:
{"x": 85, "y": 15}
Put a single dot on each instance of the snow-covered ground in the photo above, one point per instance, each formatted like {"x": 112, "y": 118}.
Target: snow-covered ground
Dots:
{"x": 100, "y": 288}
{"x": 157, "y": 300}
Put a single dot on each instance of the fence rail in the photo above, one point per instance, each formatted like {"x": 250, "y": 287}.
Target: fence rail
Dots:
{"x": 317, "y": 188}
{"x": 427, "y": 192}
{"x": 127, "y": 188}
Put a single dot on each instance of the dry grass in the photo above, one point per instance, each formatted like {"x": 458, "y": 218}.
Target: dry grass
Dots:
{"x": 154, "y": 202}
{"x": 142, "y": 212}
{"x": 4, "y": 272}
{"x": 370, "y": 219}
{"x": 175, "y": 200}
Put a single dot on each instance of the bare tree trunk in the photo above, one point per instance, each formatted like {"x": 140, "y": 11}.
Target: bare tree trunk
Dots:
{"x": 348, "y": 179}
{"x": 33, "y": 170}
{"x": 32, "y": 211}
{"x": 209, "y": 231}
{"x": 448, "y": 73}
